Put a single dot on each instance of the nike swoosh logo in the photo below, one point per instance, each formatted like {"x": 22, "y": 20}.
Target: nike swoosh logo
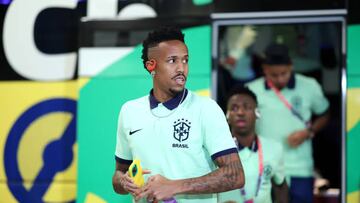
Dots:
{"x": 132, "y": 132}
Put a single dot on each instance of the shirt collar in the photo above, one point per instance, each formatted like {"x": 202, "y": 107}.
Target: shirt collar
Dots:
{"x": 253, "y": 147}
{"x": 290, "y": 85}
{"x": 170, "y": 104}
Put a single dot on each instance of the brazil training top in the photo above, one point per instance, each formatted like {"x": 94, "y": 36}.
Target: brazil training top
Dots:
{"x": 177, "y": 139}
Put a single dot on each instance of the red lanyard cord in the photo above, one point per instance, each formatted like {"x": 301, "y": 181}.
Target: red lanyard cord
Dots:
{"x": 261, "y": 170}
{"x": 286, "y": 103}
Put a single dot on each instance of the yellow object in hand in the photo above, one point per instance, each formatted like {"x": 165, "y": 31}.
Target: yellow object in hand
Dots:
{"x": 136, "y": 173}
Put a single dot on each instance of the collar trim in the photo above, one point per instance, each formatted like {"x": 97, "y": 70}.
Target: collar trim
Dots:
{"x": 253, "y": 147}
{"x": 170, "y": 104}
{"x": 291, "y": 84}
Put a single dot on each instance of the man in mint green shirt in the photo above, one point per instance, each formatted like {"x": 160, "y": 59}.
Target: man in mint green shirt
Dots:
{"x": 262, "y": 158}
{"x": 177, "y": 135}
{"x": 287, "y": 102}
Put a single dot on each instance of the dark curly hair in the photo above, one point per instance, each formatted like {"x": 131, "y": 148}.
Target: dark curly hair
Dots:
{"x": 277, "y": 54}
{"x": 240, "y": 89}
{"x": 160, "y": 35}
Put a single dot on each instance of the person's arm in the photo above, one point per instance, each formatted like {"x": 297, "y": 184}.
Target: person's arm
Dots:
{"x": 121, "y": 181}
{"x": 120, "y": 178}
{"x": 298, "y": 137}
{"x": 281, "y": 192}
{"x": 228, "y": 176}
{"x": 320, "y": 122}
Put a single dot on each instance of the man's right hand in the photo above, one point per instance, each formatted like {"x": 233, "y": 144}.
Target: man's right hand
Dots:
{"x": 122, "y": 182}
{"x": 128, "y": 184}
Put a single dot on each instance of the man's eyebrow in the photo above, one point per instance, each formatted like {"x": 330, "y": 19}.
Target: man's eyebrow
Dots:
{"x": 175, "y": 56}
{"x": 178, "y": 56}
{"x": 171, "y": 57}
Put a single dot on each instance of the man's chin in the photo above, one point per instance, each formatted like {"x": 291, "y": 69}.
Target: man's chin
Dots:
{"x": 176, "y": 90}
{"x": 280, "y": 86}
{"x": 242, "y": 130}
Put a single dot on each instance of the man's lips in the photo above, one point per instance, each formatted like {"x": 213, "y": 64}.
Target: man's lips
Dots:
{"x": 241, "y": 123}
{"x": 180, "y": 79}
{"x": 179, "y": 76}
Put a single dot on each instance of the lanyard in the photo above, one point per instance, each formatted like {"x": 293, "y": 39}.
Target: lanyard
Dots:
{"x": 287, "y": 104}
{"x": 261, "y": 170}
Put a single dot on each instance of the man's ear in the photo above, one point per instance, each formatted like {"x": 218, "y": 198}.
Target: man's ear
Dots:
{"x": 257, "y": 113}
{"x": 150, "y": 65}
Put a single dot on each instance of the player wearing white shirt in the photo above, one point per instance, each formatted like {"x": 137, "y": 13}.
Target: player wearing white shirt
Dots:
{"x": 301, "y": 110}
{"x": 177, "y": 135}
{"x": 262, "y": 158}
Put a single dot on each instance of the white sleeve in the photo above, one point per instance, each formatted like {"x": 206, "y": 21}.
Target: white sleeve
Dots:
{"x": 217, "y": 136}
{"x": 319, "y": 103}
{"x": 279, "y": 172}
{"x": 122, "y": 151}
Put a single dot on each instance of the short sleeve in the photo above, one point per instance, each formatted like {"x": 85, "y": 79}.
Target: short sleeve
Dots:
{"x": 319, "y": 103}
{"x": 122, "y": 151}
{"x": 217, "y": 136}
{"x": 279, "y": 172}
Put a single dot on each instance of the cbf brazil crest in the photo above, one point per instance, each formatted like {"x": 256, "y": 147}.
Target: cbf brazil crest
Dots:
{"x": 181, "y": 129}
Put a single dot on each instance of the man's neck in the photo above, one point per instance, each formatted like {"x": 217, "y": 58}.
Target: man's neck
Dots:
{"x": 162, "y": 96}
{"x": 247, "y": 139}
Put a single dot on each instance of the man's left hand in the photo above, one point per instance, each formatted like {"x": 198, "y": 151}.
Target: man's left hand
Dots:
{"x": 158, "y": 188}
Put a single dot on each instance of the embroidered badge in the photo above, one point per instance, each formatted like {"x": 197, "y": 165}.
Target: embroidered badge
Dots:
{"x": 181, "y": 129}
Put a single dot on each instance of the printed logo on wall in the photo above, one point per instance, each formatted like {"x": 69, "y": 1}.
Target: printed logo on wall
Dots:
{"x": 57, "y": 155}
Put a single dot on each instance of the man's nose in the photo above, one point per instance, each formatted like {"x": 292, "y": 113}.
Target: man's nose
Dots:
{"x": 181, "y": 67}
{"x": 282, "y": 78}
{"x": 240, "y": 111}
